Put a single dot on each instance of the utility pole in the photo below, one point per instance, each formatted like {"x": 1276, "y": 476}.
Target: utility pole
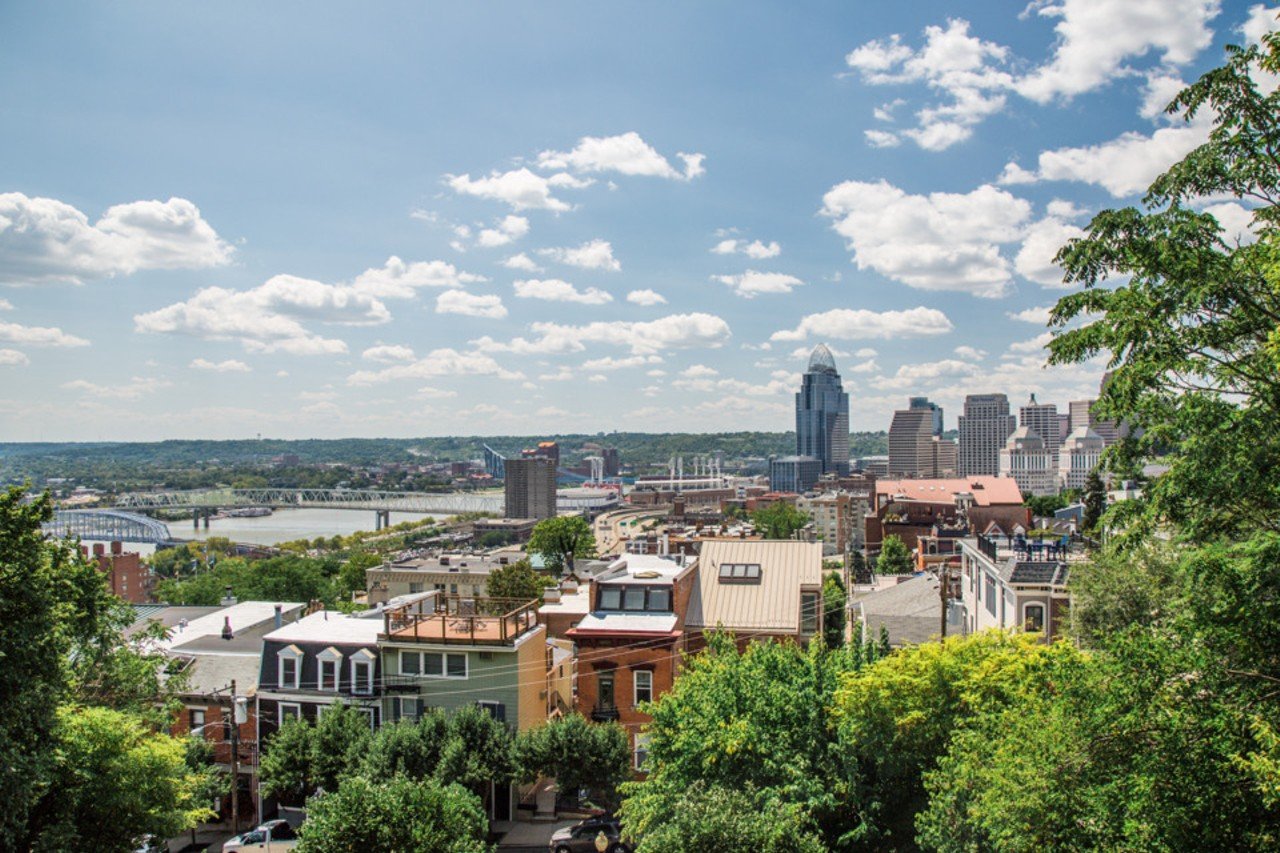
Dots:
{"x": 235, "y": 763}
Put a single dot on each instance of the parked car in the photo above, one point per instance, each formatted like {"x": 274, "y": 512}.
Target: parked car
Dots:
{"x": 581, "y": 837}
{"x": 272, "y": 836}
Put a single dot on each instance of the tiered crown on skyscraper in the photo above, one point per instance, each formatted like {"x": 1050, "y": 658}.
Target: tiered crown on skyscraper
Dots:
{"x": 822, "y": 361}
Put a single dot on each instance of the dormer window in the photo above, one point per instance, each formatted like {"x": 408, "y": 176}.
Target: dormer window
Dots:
{"x": 330, "y": 661}
{"x": 362, "y": 672}
{"x": 289, "y": 667}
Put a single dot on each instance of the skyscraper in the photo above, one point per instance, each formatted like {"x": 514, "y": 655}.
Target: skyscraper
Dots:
{"x": 530, "y": 487}
{"x": 934, "y": 408}
{"x": 984, "y": 428}
{"x": 822, "y": 414}
{"x": 1042, "y": 419}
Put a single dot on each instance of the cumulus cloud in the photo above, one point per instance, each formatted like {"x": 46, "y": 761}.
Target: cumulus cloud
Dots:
{"x": 914, "y": 375}
{"x": 1036, "y": 344}
{"x": 519, "y": 188}
{"x": 43, "y": 240}
{"x": 971, "y": 353}
{"x": 13, "y": 358}
{"x": 756, "y": 249}
{"x": 611, "y": 363}
{"x": 850, "y": 324}
{"x": 676, "y": 331}
{"x": 133, "y": 389}
{"x": 646, "y": 297}
{"x": 470, "y": 304}
{"x": 230, "y": 365}
{"x": 752, "y": 283}
{"x": 38, "y": 336}
{"x": 555, "y": 290}
{"x": 399, "y": 280}
{"x": 1038, "y": 315}
{"x": 1235, "y": 220}
{"x": 6, "y": 305}
{"x": 940, "y": 241}
{"x": 881, "y": 138}
{"x": 521, "y": 262}
{"x": 440, "y": 362}
{"x": 592, "y": 255}
{"x": 507, "y": 230}
{"x": 388, "y": 353}
{"x": 1041, "y": 244}
{"x": 626, "y": 154}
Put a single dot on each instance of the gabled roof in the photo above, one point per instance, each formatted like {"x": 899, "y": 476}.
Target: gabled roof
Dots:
{"x": 770, "y": 606}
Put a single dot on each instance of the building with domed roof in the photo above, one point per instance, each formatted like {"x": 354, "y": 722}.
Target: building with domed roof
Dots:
{"x": 822, "y": 414}
{"x": 1025, "y": 457}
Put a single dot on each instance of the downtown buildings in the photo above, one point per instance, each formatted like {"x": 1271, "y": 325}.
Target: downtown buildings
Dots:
{"x": 822, "y": 414}
{"x": 985, "y": 426}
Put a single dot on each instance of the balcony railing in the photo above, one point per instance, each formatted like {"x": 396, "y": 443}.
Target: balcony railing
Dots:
{"x": 458, "y": 620}
{"x": 602, "y": 713}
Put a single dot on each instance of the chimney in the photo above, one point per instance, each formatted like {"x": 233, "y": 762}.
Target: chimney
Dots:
{"x": 99, "y": 549}
{"x": 279, "y": 615}
{"x": 117, "y": 547}
{"x": 228, "y": 599}
{"x": 227, "y": 633}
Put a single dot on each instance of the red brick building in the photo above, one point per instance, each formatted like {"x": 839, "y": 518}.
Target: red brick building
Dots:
{"x": 126, "y": 575}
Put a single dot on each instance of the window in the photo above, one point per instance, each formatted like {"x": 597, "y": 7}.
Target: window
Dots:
{"x": 990, "y": 595}
{"x": 495, "y": 709}
{"x": 1033, "y": 617}
{"x": 611, "y": 598}
{"x": 290, "y": 711}
{"x": 328, "y": 675}
{"x": 659, "y": 599}
{"x": 361, "y": 676}
{"x": 196, "y": 719}
{"x": 633, "y": 598}
{"x": 643, "y": 685}
{"x": 605, "y": 684}
{"x": 641, "y": 751}
{"x": 809, "y": 612}
{"x": 372, "y": 715}
{"x": 739, "y": 573}
{"x": 654, "y": 599}
{"x": 290, "y": 660}
{"x": 415, "y": 587}
{"x": 410, "y": 707}
{"x": 434, "y": 664}
{"x": 453, "y": 589}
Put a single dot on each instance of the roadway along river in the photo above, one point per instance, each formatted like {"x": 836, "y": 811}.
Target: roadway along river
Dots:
{"x": 284, "y": 525}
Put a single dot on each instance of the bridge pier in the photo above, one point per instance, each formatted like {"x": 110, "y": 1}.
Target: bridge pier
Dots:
{"x": 198, "y": 514}
{"x": 381, "y": 519}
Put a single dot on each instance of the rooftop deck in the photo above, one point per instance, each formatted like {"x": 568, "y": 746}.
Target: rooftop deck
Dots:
{"x": 458, "y": 620}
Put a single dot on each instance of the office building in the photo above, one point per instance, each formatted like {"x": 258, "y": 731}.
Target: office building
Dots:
{"x": 612, "y": 461}
{"x": 1080, "y": 454}
{"x": 1042, "y": 419}
{"x": 544, "y": 450}
{"x": 933, "y": 408}
{"x": 794, "y": 473}
{"x": 822, "y": 414}
{"x": 911, "y": 450}
{"x": 944, "y": 458}
{"x": 530, "y": 487}
{"x": 1026, "y": 459}
{"x": 1082, "y": 416}
{"x": 984, "y": 428}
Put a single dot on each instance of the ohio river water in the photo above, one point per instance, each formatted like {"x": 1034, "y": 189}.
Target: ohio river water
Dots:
{"x": 284, "y": 525}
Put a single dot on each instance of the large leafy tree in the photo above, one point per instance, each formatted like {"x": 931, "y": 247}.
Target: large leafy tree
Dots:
{"x": 895, "y": 557}
{"x": 408, "y": 748}
{"x": 515, "y": 580}
{"x": 562, "y": 540}
{"x": 721, "y": 820}
{"x": 398, "y": 816}
{"x": 834, "y": 599}
{"x": 579, "y": 755}
{"x": 779, "y": 520}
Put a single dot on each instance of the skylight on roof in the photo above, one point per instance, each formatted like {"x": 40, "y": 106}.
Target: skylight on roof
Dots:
{"x": 739, "y": 573}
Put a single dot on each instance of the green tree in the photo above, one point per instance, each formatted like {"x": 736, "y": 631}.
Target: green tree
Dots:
{"x": 719, "y": 820}
{"x": 515, "y": 580}
{"x": 1044, "y": 506}
{"x": 351, "y": 577}
{"x": 339, "y": 742}
{"x": 579, "y": 755}
{"x": 779, "y": 520}
{"x": 478, "y": 750}
{"x": 115, "y": 781}
{"x": 408, "y": 748}
{"x": 398, "y": 816}
{"x": 834, "y": 599}
{"x": 285, "y": 768}
{"x": 1095, "y": 503}
{"x": 560, "y": 541}
{"x": 894, "y": 557}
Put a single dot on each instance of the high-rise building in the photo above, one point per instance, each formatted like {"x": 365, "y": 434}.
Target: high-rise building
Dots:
{"x": 1080, "y": 454}
{"x": 530, "y": 487}
{"x": 1082, "y": 416}
{"x": 984, "y": 428}
{"x": 911, "y": 443}
{"x": 545, "y": 450}
{"x": 1025, "y": 458}
{"x": 612, "y": 461}
{"x": 925, "y": 403}
{"x": 1042, "y": 419}
{"x": 822, "y": 414}
{"x": 794, "y": 473}
{"x": 944, "y": 459}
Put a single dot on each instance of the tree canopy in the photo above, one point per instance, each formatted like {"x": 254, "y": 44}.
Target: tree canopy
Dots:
{"x": 515, "y": 580}
{"x": 895, "y": 557}
{"x": 398, "y": 815}
{"x": 779, "y": 520}
{"x": 580, "y": 756}
{"x": 560, "y": 541}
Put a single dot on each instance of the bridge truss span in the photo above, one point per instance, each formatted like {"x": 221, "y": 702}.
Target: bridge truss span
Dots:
{"x": 108, "y": 525}
{"x": 448, "y": 503}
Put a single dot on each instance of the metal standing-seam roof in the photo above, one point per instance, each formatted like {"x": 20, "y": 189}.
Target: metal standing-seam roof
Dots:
{"x": 773, "y": 604}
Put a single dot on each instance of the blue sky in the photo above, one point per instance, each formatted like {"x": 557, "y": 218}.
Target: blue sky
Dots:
{"x": 326, "y": 220}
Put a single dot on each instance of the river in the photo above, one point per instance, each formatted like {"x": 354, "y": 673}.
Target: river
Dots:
{"x": 284, "y": 525}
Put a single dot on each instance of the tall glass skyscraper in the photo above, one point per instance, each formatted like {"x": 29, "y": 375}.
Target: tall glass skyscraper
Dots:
{"x": 822, "y": 414}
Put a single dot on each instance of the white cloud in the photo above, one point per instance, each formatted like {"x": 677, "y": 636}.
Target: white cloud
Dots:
{"x": 1038, "y": 315}
{"x": 646, "y": 297}
{"x": 626, "y": 154}
{"x": 1043, "y": 240}
{"x": 519, "y": 188}
{"x": 521, "y": 262}
{"x": 426, "y": 392}
{"x": 13, "y": 358}
{"x": 860, "y": 324}
{"x": 1236, "y": 222}
{"x": 881, "y": 138}
{"x": 268, "y": 318}
{"x": 884, "y": 112}
{"x": 911, "y": 376}
{"x": 611, "y": 363}
{"x": 388, "y": 353}
{"x": 1036, "y": 344}
{"x": 231, "y": 365}
{"x": 1123, "y": 166}
{"x": 750, "y": 284}
{"x": 655, "y": 373}
{"x": 131, "y": 390}
{"x": 699, "y": 371}
{"x": 555, "y": 290}
{"x": 1158, "y": 92}
{"x": 755, "y": 249}
{"x": 440, "y": 362}
{"x": 1094, "y": 40}
{"x": 942, "y": 241}
{"x": 507, "y": 230}
{"x": 593, "y": 255}
{"x": 43, "y": 240}
{"x": 676, "y": 331}
{"x": 865, "y": 352}
{"x": 6, "y": 305}
{"x": 971, "y": 353}
{"x": 470, "y": 304}
{"x": 399, "y": 280}
{"x": 599, "y": 377}
{"x": 1063, "y": 209}
{"x": 38, "y": 336}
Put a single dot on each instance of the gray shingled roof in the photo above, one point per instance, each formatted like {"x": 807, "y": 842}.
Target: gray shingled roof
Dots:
{"x": 909, "y": 611}
{"x": 1039, "y": 573}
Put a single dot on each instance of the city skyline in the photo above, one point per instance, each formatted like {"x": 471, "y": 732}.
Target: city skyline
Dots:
{"x": 472, "y": 219}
